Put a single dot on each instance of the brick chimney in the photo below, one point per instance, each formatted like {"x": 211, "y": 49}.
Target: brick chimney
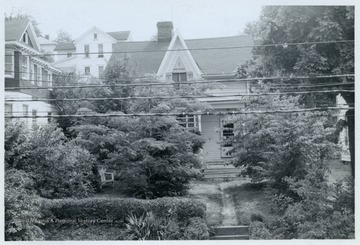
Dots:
{"x": 47, "y": 37}
{"x": 165, "y": 31}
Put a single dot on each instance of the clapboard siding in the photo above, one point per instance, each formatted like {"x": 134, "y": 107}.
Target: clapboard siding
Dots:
{"x": 210, "y": 130}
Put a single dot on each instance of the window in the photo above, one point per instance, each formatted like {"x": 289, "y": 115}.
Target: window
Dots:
{"x": 9, "y": 63}
{"x": 45, "y": 76}
{"x": 34, "y": 114}
{"x": 8, "y": 111}
{"x": 50, "y": 80}
{"x": 101, "y": 70}
{"x": 87, "y": 50}
{"x": 95, "y": 35}
{"x": 68, "y": 54}
{"x": 25, "y": 38}
{"x": 24, "y": 66}
{"x": 101, "y": 50}
{"x": 49, "y": 119}
{"x": 87, "y": 70}
{"x": 37, "y": 75}
{"x": 25, "y": 110}
{"x": 227, "y": 132}
{"x": 189, "y": 121}
{"x": 179, "y": 77}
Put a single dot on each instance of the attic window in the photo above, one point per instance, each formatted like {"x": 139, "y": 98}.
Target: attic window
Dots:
{"x": 25, "y": 38}
{"x": 95, "y": 35}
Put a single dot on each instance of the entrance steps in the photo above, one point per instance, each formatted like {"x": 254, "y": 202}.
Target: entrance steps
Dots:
{"x": 220, "y": 171}
{"x": 231, "y": 233}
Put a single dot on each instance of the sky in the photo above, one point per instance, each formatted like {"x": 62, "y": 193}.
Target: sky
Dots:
{"x": 194, "y": 19}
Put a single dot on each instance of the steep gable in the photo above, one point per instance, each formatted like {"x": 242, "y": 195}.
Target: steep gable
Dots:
{"x": 21, "y": 31}
{"x": 178, "y": 56}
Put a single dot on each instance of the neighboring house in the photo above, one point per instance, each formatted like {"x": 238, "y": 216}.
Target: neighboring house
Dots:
{"x": 47, "y": 46}
{"x": 172, "y": 58}
{"x": 24, "y": 67}
{"x": 90, "y": 53}
{"x": 344, "y": 134}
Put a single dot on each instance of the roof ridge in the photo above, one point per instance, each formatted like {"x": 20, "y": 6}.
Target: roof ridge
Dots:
{"x": 244, "y": 35}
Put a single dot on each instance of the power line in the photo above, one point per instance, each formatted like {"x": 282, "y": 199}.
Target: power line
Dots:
{"x": 196, "y": 81}
{"x": 180, "y": 97}
{"x": 184, "y": 113}
{"x": 284, "y": 45}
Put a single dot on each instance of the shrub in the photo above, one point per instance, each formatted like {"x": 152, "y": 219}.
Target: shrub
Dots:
{"x": 196, "y": 229}
{"x": 22, "y": 213}
{"x": 257, "y": 217}
{"x": 117, "y": 209}
{"x": 59, "y": 168}
{"x": 258, "y": 231}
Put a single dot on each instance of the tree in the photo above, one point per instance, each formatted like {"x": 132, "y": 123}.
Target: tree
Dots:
{"x": 57, "y": 167}
{"x": 278, "y": 145}
{"x": 304, "y": 24}
{"x": 63, "y": 36}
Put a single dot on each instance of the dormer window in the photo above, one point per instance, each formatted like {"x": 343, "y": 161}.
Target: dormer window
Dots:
{"x": 95, "y": 36}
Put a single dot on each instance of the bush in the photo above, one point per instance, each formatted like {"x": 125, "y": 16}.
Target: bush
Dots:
{"x": 258, "y": 231}
{"x": 196, "y": 229}
{"x": 257, "y": 217}
{"x": 22, "y": 212}
{"x": 59, "y": 168}
{"x": 117, "y": 209}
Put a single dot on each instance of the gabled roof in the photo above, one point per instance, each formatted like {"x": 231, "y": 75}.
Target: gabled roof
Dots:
{"x": 98, "y": 30}
{"x": 120, "y": 35}
{"x": 14, "y": 29}
{"x": 218, "y": 59}
{"x": 44, "y": 41}
{"x": 145, "y": 57}
{"x": 215, "y": 60}
{"x": 65, "y": 46}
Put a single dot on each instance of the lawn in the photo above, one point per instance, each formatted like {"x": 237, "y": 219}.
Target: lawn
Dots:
{"x": 250, "y": 199}
{"x": 208, "y": 193}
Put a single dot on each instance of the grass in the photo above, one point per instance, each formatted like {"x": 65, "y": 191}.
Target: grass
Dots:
{"x": 210, "y": 195}
{"x": 250, "y": 199}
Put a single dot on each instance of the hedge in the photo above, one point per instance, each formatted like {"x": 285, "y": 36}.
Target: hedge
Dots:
{"x": 117, "y": 209}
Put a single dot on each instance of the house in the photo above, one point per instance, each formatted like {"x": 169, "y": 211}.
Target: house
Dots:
{"x": 171, "y": 58}
{"x": 25, "y": 68}
{"x": 344, "y": 134}
{"x": 89, "y": 53}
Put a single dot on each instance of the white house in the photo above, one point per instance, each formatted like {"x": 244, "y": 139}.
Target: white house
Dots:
{"x": 89, "y": 53}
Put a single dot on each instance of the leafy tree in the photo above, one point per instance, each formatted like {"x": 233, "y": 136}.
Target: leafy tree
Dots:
{"x": 303, "y": 24}
{"x": 58, "y": 167}
{"x": 63, "y": 36}
{"x": 278, "y": 145}
{"x": 22, "y": 208}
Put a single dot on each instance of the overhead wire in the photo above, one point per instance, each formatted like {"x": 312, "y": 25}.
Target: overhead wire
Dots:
{"x": 180, "y": 97}
{"x": 244, "y": 112}
{"x": 284, "y": 45}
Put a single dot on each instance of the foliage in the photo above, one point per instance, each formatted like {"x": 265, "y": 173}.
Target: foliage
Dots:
{"x": 22, "y": 209}
{"x": 303, "y": 24}
{"x": 63, "y": 36}
{"x": 258, "y": 231}
{"x": 150, "y": 227}
{"x": 196, "y": 229}
{"x": 117, "y": 209}
{"x": 275, "y": 146}
{"x": 59, "y": 168}
{"x": 316, "y": 215}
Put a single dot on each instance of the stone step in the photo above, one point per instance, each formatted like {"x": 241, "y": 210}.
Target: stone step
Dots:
{"x": 231, "y": 237}
{"x": 212, "y": 166}
{"x": 232, "y": 230}
{"x": 222, "y": 170}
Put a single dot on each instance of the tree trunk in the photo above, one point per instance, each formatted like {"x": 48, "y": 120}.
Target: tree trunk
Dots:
{"x": 350, "y": 116}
